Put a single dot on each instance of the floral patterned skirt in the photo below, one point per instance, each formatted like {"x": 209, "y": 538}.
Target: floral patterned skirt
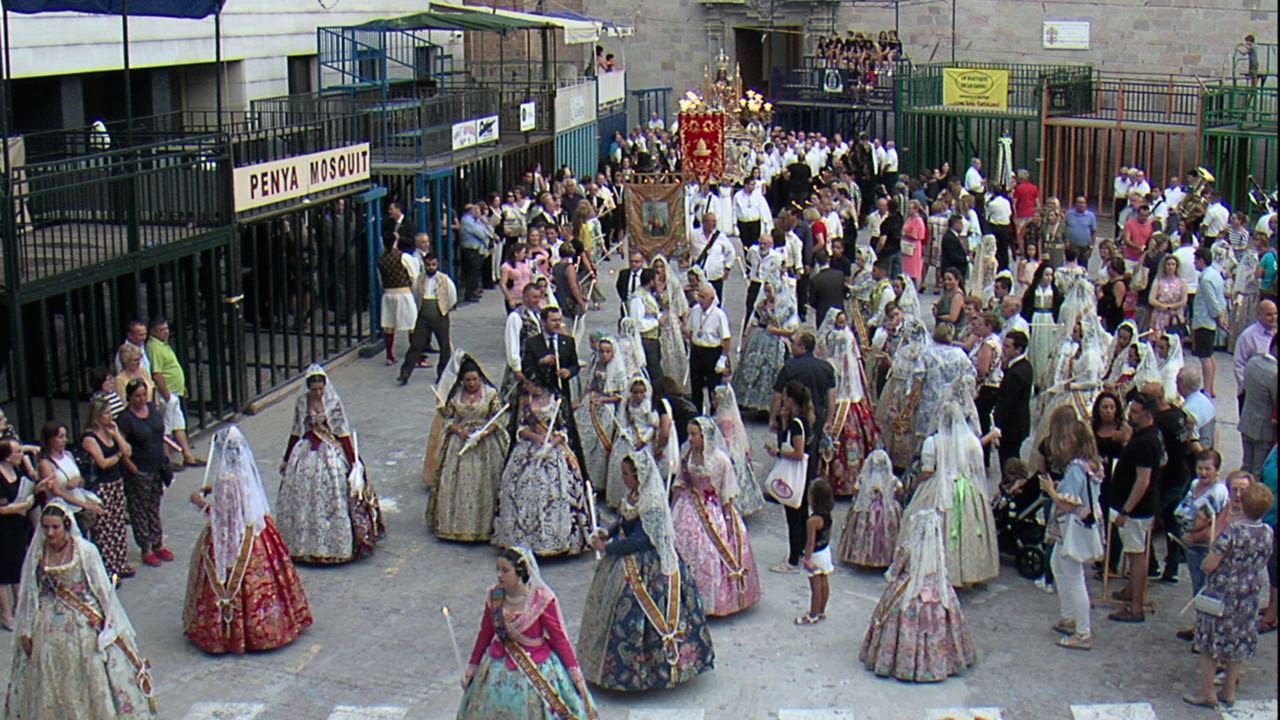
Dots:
{"x": 619, "y": 648}
{"x": 66, "y": 676}
{"x": 542, "y": 502}
{"x": 319, "y": 520}
{"x": 465, "y": 499}
{"x": 723, "y": 592}
{"x": 750, "y": 495}
{"x": 917, "y": 639}
{"x": 858, "y": 438}
{"x": 870, "y": 535}
{"x": 902, "y": 445}
{"x": 268, "y": 612}
{"x": 763, "y": 355}
{"x": 500, "y": 693}
{"x": 968, "y": 530}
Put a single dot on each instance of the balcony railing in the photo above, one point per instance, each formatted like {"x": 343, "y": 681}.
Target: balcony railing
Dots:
{"x": 78, "y": 212}
{"x": 1245, "y": 108}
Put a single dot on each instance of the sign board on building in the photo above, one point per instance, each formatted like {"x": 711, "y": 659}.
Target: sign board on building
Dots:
{"x": 465, "y": 134}
{"x": 487, "y": 129}
{"x": 528, "y": 116}
{"x": 300, "y": 176}
{"x": 975, "y": 88}
{"x": 832, "y": 82}
{"x": 1065, "y": 35}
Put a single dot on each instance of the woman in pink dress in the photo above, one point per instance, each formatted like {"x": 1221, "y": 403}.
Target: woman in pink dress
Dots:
{"x": 871, "y": 527}
{"x": 914, "y": 237}
{"x": 710, "y": 535}
{"x": 1168, "y": 297}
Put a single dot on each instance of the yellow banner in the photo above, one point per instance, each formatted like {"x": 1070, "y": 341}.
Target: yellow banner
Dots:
{"x": 975, "y": 88}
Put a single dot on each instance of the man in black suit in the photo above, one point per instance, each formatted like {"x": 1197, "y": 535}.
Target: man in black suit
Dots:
{"x": 629, "y": 280}
{"x": 1012, "y": 412}
{"x": 953, "y": 250}
{"x": 826, "y": 288}
{"x": 550, "y": 360}
{"x": 398, "y": 226}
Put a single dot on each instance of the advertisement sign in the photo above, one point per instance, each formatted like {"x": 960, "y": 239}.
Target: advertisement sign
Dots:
{"x": 702, "y": 144}
{"x": 528, "y": 116}
{"x": 832, "y": 81}
{"x": 975, "y": 88}
{"x": 487, "y": 129}
{"x": 299, "y": 176}
{"x": 465, "y": 134}
{"x": 1065, "y": 35}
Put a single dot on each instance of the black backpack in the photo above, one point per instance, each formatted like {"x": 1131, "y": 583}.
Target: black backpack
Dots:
{"x": 85, "y": 462}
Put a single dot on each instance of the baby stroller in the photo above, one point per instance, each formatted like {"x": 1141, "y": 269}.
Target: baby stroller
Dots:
{"x": 1020, "y": 527}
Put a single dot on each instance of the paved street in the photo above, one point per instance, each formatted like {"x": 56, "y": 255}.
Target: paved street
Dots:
{"x": 379, "y": 648}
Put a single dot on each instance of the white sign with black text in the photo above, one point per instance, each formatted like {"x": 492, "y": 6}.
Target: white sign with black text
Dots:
{"x": 487, "y": 129}
{"x": 299, "y": 176}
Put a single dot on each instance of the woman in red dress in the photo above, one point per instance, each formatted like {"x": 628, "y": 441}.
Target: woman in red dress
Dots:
{"x": 243, "y": 593}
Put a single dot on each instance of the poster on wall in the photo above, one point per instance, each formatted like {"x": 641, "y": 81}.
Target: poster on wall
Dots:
{"x": 1065, "y": 35}
{"x": 465, "y": 134}
{"x": 528, "y": 116}
{"x": 487, "y": 129}
{"x": 975, "y": 88}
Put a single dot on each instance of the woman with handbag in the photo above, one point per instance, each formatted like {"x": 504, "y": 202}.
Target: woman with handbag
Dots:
{"x": 1168, "y": 298}
{"x": 788, "y": 482}
{"x": 1227, "y": 607}
{"x": 1075, "y": 528}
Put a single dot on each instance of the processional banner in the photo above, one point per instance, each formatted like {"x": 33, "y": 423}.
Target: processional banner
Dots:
{"x": 655, "y": 216}
{"x": 702, "y": 144}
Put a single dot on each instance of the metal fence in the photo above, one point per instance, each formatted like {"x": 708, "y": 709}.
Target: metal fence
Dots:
{"x": 80, "y": 212}
{"x": 921, "y": 85}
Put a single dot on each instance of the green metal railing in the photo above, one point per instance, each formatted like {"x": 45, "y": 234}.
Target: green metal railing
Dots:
{"x": 1243, "y": 108}
{"x": 920, "y": 86}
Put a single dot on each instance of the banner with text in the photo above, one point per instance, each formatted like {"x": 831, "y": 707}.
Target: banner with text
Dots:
{"x": 299, "y": 176}
{"x": 975, "y": 88}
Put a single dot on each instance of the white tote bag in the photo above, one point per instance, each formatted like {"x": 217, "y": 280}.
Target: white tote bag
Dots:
{"x": 787, "y": 478}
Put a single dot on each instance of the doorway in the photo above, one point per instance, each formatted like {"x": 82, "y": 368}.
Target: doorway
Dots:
{"x": 749, "y": 47}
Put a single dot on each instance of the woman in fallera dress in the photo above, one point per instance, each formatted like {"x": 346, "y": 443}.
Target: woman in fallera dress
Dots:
{"x": 729, "y": 420}
{"x": 522, "y": 666}
{"x": 766, "y": 347}
{"x": 643, "y": 627}
{"x": 606, "y": 383}
{"x": 243, "y": 593}
{"x": 918, "y": 633}
{"x": 871, "y": 527}
{"x": 675, "y": 308}
{"x": 710, "y": 535}
{"x": 542, "y": 496}
{"x": 900, "y": 441}
{"x": 953, "y": 481}
{"x": 856, "y": 432}
{"x": 466, "y": 453}
{"x": 324, "y": 518}
{"x": 75, "y": 656}
{"x": 637, "y": 426}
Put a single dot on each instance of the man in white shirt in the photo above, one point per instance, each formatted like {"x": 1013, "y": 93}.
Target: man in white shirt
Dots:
{"x": 976, "y": 184}
{"x": 699, "y": 200}
{"x": 644, "y": 311}
{"x": 1216, "y": 217}
{"x": 1000, "y": 224}
{"x": 880, "y": 214}
{"x": 437, "y": 295}
{"x": 713, "y": 253}
{"x": 136, "y": 336}
{"x": 1011, "y": 312}
{"x": 522, "y": 323}
{"x": 752, "y": 213}
{"x": 1264, "y": 223}
{"x": 1120, "y": 192}
{"x": 1138, "y": 182}
{"x": 1186, "y": 254}
{"x": 709, "y": 342}
{"x": 891, "y": 159}
{"x": 763, "y": 260}
{"x": 656, "y": 122}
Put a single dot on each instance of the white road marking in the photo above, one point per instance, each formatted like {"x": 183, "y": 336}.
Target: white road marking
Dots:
{"x": 814, "y": 714}
{"x": 667, "y": 714}
{"x": 977, "y": 713}
{"x": 224, "y": 711}
{"x": 1251, "y": 710}
{"x": 1114, "y": 711}
{"x": 354, "y": 712}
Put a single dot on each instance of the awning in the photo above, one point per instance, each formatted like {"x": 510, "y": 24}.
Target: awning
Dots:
{"x": 484, "y": 22}
{"x": 155, "y": 8}
{"x": 607, "y": 28}
{"x": 576, "y": 32}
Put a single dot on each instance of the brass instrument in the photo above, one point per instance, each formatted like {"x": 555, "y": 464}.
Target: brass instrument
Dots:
{"x": 1193, "y": 207}
{"x": 1260, "y": 197}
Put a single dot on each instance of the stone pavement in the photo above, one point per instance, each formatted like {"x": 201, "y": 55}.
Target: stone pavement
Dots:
{"x": 380, "y": 649}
